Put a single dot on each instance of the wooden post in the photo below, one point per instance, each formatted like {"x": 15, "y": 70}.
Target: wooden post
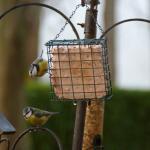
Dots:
{"x": 90, "y": 32}
{"x": 93, "y": 128}
{"x": 79, "y": 126}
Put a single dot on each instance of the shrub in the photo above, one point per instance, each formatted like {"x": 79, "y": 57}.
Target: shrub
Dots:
{"x": 126, "y": 122}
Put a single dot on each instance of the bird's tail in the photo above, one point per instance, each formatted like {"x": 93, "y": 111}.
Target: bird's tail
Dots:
{"x": 54, "y": 113}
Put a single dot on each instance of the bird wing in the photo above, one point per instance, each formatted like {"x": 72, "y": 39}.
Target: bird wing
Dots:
{"x": 40, "y": 113}
{"x": 50, "y": 113}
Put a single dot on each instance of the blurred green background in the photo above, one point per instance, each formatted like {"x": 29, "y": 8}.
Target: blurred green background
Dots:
{"x": 126, "y": 123}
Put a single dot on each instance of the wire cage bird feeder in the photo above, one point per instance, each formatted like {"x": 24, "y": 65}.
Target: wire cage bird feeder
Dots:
{"x": 79, "y": 69}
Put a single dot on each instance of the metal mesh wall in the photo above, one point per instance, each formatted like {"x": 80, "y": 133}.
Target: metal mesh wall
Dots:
{"x": 78, "y": 69}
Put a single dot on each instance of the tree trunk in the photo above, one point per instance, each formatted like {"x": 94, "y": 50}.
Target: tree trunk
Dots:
{"x": 18, "y": 45}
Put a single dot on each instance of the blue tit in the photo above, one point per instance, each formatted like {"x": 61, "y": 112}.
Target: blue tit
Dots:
{"x": 36, "y": 117}
{"x": 39, "y": 67}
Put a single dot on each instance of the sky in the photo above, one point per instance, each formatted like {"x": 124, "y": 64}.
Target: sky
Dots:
{"x": 132, "y": 44}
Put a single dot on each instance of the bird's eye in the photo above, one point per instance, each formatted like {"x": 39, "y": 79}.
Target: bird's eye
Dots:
{"x": 37, "y": 66}
{"x": 28, "y": 114}
{"x": 25, "y": 111}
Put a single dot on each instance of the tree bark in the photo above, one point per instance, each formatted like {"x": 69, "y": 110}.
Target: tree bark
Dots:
{"x": 18, "y": 46}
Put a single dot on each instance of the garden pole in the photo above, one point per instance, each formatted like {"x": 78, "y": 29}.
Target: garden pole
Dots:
{"x": 90, "y": 32}
{"x": 93, "y": 128}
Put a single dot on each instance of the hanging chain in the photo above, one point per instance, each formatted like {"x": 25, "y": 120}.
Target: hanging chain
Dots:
{"x": 66, "y": 23}
{"x": 63, "y": 28}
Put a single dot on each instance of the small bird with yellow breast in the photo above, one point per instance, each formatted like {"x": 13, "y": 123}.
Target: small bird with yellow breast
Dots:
{"x": 36, "y": 116}
{"x": 39, "y": 67}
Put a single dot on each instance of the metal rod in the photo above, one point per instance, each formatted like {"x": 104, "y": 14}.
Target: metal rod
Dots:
{"x": 36, "y": 129}
{"x": 41, "y": 5}
{"x": 5, "y": 140}
{"x": 90, "y": 32}
{"x": 121, "y": 22}
{"x": 79, "y": 125}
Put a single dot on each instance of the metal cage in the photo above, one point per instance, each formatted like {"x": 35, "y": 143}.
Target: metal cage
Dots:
{"x": 79, "y": 69}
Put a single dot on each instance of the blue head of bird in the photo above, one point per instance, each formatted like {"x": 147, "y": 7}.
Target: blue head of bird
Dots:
{"x": 27, "y": 112}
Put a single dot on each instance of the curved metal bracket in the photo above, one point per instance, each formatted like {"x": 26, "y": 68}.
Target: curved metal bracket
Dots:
{"x": 121, "y": 22}
{"x": 36, "y": 129}
{"x": 41, "y": 5}
{"x": 6, "y": 141}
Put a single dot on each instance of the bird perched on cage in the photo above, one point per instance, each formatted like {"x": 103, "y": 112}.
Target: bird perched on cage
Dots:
{"x": 36, "y": 116}
{"x": 38, "y": 67}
